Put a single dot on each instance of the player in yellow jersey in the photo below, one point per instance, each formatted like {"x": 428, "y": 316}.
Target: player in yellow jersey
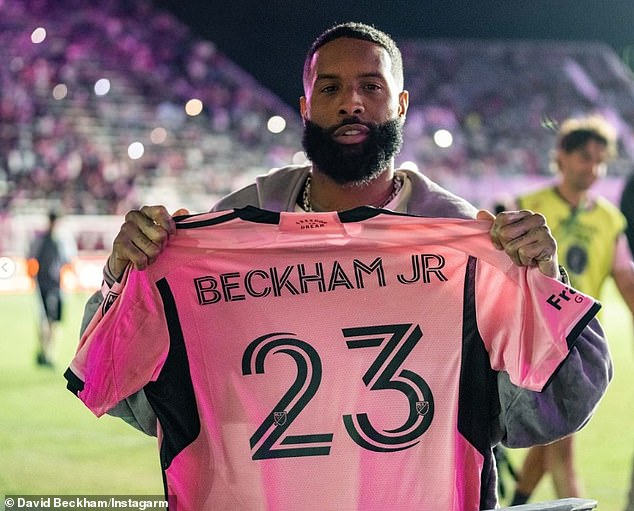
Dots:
{"x": 589, "y": 231}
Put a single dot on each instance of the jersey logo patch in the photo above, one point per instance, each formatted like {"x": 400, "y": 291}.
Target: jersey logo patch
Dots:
{"x": 280, "y": 418}
{"x": 108, "y": 301}
{"x": 422, "y": 407}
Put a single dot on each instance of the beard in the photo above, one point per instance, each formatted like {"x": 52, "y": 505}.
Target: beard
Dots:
{"x": 355, "y": 163}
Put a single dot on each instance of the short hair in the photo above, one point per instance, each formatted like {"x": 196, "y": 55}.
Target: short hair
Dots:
{"x": 355, "y": 30}
{"x": 577, "y": 132}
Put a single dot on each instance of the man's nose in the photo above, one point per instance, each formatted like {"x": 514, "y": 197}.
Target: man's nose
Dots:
{"x": 351, "y": 103}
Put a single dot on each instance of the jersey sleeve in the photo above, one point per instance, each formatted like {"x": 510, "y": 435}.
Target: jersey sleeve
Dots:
{"x": 529, "y": 322}
{"x": 124, "y": 346}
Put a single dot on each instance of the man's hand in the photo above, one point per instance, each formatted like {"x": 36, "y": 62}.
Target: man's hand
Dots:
{"x": 142, "y": 237}
{"x": 525, "y": 237}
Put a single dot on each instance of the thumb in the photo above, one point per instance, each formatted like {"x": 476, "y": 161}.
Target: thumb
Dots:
{"x": 549, "y": 266}
{"x": 180, "y": 212}
{"x": 484, "y": 214}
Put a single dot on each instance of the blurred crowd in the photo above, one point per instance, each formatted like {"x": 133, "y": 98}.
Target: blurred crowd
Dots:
{"x": 61, "y": 142}
{"x": 503, "y": 101}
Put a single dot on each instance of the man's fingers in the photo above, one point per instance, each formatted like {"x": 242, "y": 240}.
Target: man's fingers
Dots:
{"x": 141, "y": 238}
{"x": 132, "y": 245}
{"x": 158, "y": 216}
{"x": 484, "y": 214}
{"x": 526, "y": 238}
{"x": 125, "y": 251}
{"x": 510, "y": 225}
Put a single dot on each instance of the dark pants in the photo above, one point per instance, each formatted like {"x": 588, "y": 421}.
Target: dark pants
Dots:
{"x": 52, "y": 302}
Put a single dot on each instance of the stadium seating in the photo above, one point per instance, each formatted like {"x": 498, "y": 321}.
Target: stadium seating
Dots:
{"x": 63, "y": 144}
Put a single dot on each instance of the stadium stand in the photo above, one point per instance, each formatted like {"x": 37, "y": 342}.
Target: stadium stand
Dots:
{"x": 501, "y": 100}
{"x": 64, "y": 141}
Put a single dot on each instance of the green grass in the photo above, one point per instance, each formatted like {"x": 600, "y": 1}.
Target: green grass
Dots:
{"x": 50, "y": 443}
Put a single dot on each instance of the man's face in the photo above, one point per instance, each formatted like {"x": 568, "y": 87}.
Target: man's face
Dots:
{"x": 353, "y": 110}
{"x": 581, "y": 168}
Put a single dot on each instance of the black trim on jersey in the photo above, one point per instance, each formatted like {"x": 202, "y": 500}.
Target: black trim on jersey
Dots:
{"x": 73, "y": 382}
{"x": 259, "y": 215}
{"x": 181, "y": 224}
{"x": 477, "y": 399}
{"x": 574, "y": 334}
{"x": 172, "y": 394}
{"x": 361, "y": 213}
{"x": 263, "y": 216}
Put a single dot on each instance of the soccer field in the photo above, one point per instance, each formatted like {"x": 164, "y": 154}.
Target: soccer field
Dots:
{"x": 51, "y": 444}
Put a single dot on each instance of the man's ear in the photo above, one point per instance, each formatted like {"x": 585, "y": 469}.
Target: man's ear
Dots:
{"x": 302, "y": 108}
{"x": 403, "y": 103}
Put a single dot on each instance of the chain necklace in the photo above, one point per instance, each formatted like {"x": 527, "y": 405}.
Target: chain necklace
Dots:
{"x": 397, "y": 184}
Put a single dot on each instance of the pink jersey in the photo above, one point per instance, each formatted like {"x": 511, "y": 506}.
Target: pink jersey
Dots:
{"x": 324, "y": 361}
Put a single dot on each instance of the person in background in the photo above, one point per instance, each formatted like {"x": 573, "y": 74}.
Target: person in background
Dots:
{"x": 47, "y": 256}
{"x": 354, "y": 108}
{"x": 592, "y": 246}
{"x": 627, "y": 208}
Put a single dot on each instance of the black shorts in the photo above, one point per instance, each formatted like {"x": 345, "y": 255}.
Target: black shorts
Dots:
{"x": 52, "y": 302}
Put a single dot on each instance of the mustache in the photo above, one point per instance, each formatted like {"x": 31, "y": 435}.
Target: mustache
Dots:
{"x": 350, "y": 120}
